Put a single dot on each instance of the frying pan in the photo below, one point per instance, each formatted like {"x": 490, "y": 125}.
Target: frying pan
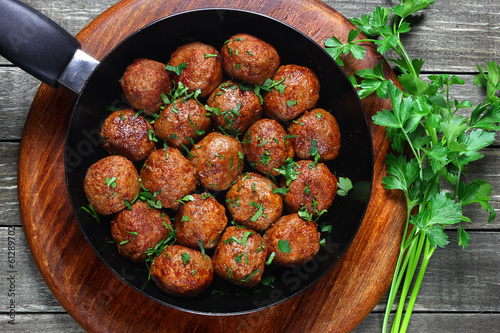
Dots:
{"x": 43, "y": 49}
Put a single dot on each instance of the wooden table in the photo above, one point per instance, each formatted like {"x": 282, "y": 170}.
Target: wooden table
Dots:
{"x": 461, "y": 291}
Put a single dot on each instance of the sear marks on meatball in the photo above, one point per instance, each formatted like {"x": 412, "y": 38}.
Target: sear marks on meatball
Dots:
{"x": 182, "y": 271}
{"x": 109, "y": 183}
{"x": 267, "y": 146}
{"x": 240, "y": 256}
{"x": 234, "y": 109}
{"x": 201, "y": 67}
{"x": 139, "y": 229}
{"x": 168, "y": 175}
{"x": 218, "y": 160}
{"x": 248, "y": 58}
{"x": 128, "y": 134}
{"x": 314, "y": 188}
{"x": 143, "y": 83}
{"x": 315, "y": 132}
{"x": 293, "y": 240}
{"x": 301, "y": 93}
{"x": 252, "y": 203}
{"x": 201, "y": 219}
{"x": 182, "y": 123}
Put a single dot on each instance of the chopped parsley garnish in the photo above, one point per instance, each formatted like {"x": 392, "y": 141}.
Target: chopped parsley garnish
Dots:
{"x": 111, "y": 182}
{"x": 284, "y": 246}
{"x": 250, "y": 276}
{"x": 91, "y": 211}
{"x": 176, "y": 69}
{"x": 152, "y": 135}
{"x": 271, "y": 84}
{"x": 258, "y": 214}
{"x": 314, "y": 151}
{"x": 202, "y": 248}
{"x": 133, "y": 233}
{"x": 270, "y": 259}
{"x": 186, "y": 198}
{"x": 289, "y": 170}
{"x": 265, "y": 158}
{"x": 185, "y": 257}
{"x": 345, "y": 185}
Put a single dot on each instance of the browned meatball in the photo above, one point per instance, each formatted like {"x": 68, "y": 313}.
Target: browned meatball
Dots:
{"x": 301, "y": 93}
{"x": 267, "y": 146}
{"x": 182, "y": 122}
{"x": 143, "y": 83}
{"x": 240, "y": 256}
{"x": 252, "y": 203}
{"x": 294, "y": 240}
{"x": 249, "y": 58}
{"x": 139, "y": 229}
{"x": 234, "y": 109}
{"x": 128, "y": 134}
{"x": 109, "y": 183}
{"x": 201, "y": 219}
{"x": 217, "y": 160}
{"x": 315, "y": 132}
{"x": 201, "y": 67}
{"x": 314, "y": 188}
{"x": 169, "y": 175}
{"x": 182, "y": 271}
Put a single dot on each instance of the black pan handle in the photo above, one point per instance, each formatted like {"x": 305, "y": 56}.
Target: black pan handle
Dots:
{"x": 34, "y": 42}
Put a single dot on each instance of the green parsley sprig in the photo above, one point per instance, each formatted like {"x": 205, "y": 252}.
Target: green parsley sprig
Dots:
{"x": 442, "y": 142}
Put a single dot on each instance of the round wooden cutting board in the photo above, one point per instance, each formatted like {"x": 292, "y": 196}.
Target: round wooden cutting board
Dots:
{"x": 100, "y": 301}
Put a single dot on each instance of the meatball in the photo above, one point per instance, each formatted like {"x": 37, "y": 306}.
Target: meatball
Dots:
{"x": 252, "y": 203}
{"x": 169, "y": 176}
{"x": 128, "y": 134}
{"x": 234, "y": 108}
{"x": 201, "y": 67}
{"x": 182, "y": 271}
{"x": 182, "y": 122}
{"x": 139, "y": 229}
{"x": 217, "y": 160}
{"x": 301, "y": 93}
{"x": 267, "y": 146}
{"x": 314, "y": 188}
{"x": 248, "y": 58}
{"x": 201, "y": 219}
{"x": 315, "y": 132}
{"x": 143, "y": 83}
{"x": 293, "y": 240}
{"x": 240, "y": 256}
{"x": 110, "y": 182}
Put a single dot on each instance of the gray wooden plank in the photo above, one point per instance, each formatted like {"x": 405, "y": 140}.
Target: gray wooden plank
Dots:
{"x": 456, "y": 280}
{"x": 421, "y": 323}
{"x": 42, "y": 323}
{"x": 20, "y": 280}
{"x": 471, "y": 29}
{"x": 486, "y": 168}
{"x": 9, "y": 204}
{"x": 17, "y": 90}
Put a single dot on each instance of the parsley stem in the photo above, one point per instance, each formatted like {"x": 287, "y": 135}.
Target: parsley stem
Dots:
{"x": 429, "y": 250}
{"x": 414, "y": 257}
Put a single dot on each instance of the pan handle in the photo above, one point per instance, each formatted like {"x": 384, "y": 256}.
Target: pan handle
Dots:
{"x": 36, "y": 44}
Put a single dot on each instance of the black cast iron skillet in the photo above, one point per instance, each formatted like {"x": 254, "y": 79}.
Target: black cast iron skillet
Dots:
{"x": 45, "y": 50}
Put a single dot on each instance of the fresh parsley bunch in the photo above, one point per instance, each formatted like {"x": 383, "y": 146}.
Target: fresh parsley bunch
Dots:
{"x": 432, "y": 139}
